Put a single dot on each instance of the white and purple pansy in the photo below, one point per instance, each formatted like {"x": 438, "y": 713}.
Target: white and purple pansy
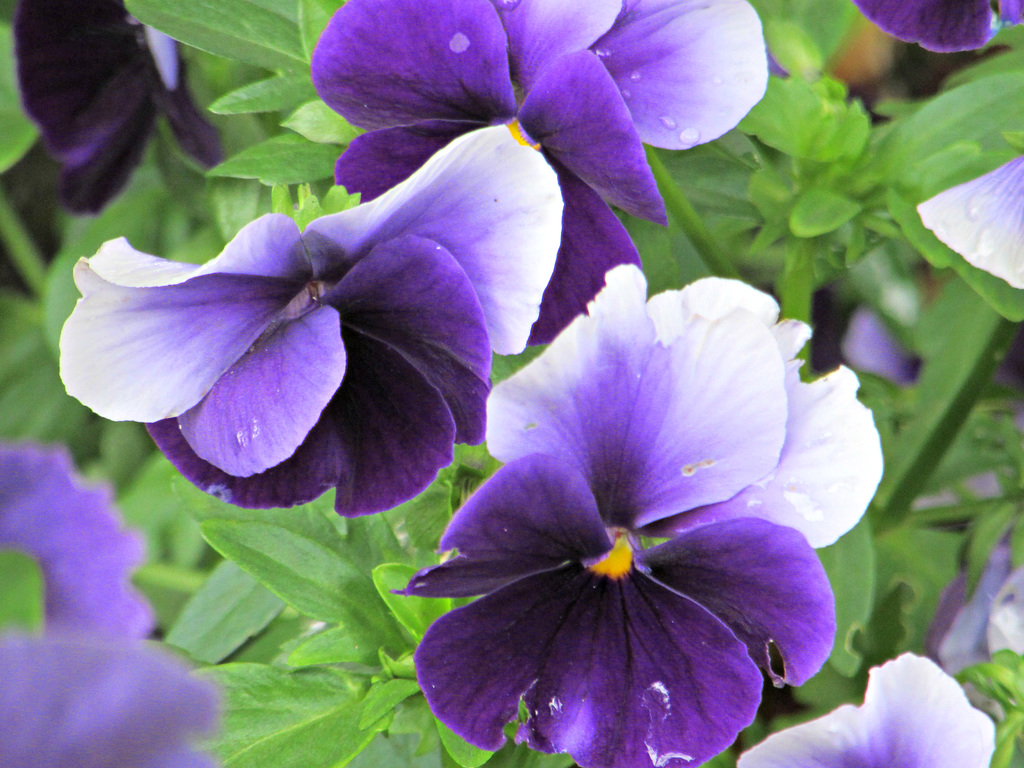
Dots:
{"x": 942, "y": 25}
{"x": 983, "y": 221}
{"x": 639, "y": 413}
{"x": 914, "y": 716}
{"x": 348, "y": 356}
{"x": 95, "y": 704}
{"x": 94, "y": 80}
{"x": 74, "y": 534}
{"x": 585, "y": 81}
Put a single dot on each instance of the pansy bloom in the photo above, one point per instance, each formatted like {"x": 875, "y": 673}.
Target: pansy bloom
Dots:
{"x": 638, "y": 413}
{"x": 90, "y": 704}
{"x": 73, "y": 532}
{"x": 94, "y": 79}
{"x": 942, "y": 25}
{"x": 913, "y": 716}
{"x": 350, "y": 355}
{"x": 585, "y": 81}
{"x": 983, "y": 221}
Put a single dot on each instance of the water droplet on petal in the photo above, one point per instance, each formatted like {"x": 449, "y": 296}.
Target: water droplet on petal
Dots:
{"x": 602, "y": 53}
{"x": 668, "y": 122}
{"x": 986, "y": 244}
{"x": 974, "y": 208}
{"x": 506, "y": 5}
{"x": 459, "y": 43}
{"x": 635, "y": 76}
{"x": 626, "y": 94}
{"x": 689, "y": 138}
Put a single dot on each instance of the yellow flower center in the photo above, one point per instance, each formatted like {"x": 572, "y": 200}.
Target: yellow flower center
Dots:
{"x": 518, "y": 135}
{"x": 616, "y": 564}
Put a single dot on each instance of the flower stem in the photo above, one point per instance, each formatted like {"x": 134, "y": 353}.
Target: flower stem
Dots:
{"x": 796, "y": 284}
{"x": 682, "y": 214}
{"x": 951, "y": 382}
{"x": 23, "y": 252}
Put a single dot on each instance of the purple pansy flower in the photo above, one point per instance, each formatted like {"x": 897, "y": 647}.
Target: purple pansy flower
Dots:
{"x": 586, "y": 81}
{"x": 627, "y": 656}
{"x": 913, "y": 716}
{"x": 942, "y": 25}
{"x": 351, "y": 355}
{"x": 869, "y": 346}
{"x": 983, "y": 221}
{"x": 74, "y": 534}
{"x": 89, "y": 704}
{"x": 94, "y": 79}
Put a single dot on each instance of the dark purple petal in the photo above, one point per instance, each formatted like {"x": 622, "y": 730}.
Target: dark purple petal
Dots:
{"x": 593, "y": 241}
{"x": 194, "y": 133}
{"x": 90, "y": 705}
{"x": 688, "y": 71}
{"x": 531, "y": 516}
{"x": 75, "y": 535}
{"x": 388, "y": 63}
{"x": 376, "y": 161}
{"x": 380, "y": 441}
{"x": 617, "y": 672}
{"x": 411, "y": 295}
{"x": 939, "y": 25}
{"x": 539, "y": 31}
{"x": 263, "y": 407}
{"x": 143, "y": 354}
{"x": 1011, "y": 11}
{"x": 576, "y": 113}
{"x": 764, "y": 581}
{"x": 868, "y": 346}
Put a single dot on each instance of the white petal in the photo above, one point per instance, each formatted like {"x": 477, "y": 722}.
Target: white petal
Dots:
{"x": 983, "y": 221}
{"x": 494, "y": 204}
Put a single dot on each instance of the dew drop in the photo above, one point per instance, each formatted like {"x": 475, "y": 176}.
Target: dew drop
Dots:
{"x": 626, "y": 94}
{"x": 689, "y": 138}
{"x": 974, "y": 208}
{"x": 635, "y": 77}
{"x": 602, "y": 53}
{"x": 459, "y": 43}
{"x": 667, "y": 121}
{"x": 506, "y": 5}
{"x": 986, "y": 244}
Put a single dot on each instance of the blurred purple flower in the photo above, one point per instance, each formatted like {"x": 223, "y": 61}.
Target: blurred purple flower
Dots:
{"x": 983, "y": 221}
{"x": 868, "y": 346}
{"x": 586, "y": 81}
{"x": 913, "y": 715}
{"x": 74, "y": 534}
{"x": 627, "y": 656}
{"x": 942, "y": 25}
{"x": 87, "y": 704}
{"x": 94, "y": 79}
{"x": 350, "y": 356}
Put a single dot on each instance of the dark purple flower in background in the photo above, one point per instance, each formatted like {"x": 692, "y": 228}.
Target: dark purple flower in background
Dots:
{"x": 94, "y": 80}
{"x": 348, "y": 356}
{"x": 913, "y": 716}
{"x": 586, "y": 81}
{"x": 89, "y": 704}
{"x": 73, "y": 532}
{"x": 869, "y": 346}
{"x": 626, "y": 656}
{"x": 942, "y": 25}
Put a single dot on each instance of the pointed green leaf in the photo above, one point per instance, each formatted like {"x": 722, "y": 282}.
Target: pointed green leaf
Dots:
{"x": 321, "y": 124}
{"x": 287, "y": 159}
{"x": 22, "y": 591}
{"x": 383, "y": 697}
{"x": 275, "y": 94}
{"x": 820, "y": 211}
{"x": 461, "y": 751}
{"x": 414, "y": 613}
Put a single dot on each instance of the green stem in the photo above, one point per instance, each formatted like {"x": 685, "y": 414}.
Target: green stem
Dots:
{"x": 796, "y": 285}
{"x": 171, "y": 577}
{"x": 685, "y": 217}
{"x": 23, "y": 252}
{"x": 958, "y": 514}
{"x": 950, "y": 384}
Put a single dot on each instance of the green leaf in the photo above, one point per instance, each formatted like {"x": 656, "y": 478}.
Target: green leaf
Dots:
{"x": 235, "y": 203}
{"x": 1015, "y": 139}
{"x": 1000, "y": 295}
{"x": 275, "y": 94}
{"x": 228, "y": 609}
{"x": 383, "y": 697}
{"x": 424, "y": 517}
{"x": 321, "y": 124}
{"x": 333, "y": 646}
{"x": 278, "y": 719}
{"x": 413, "y": 613}
{"x": 303, "y": 570}
{"x": 793, "y": 48}
{"x": 850, "y": 565}
{"x": 260, "y": 33}
{"x": 820, "y": 211}
{"x": 17, "y": 133}
{"x": 286, "y": 159}
{"x": 313, "y": 18}
{"x": 461, "y": 751}
{"x": 22, "y": 591}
